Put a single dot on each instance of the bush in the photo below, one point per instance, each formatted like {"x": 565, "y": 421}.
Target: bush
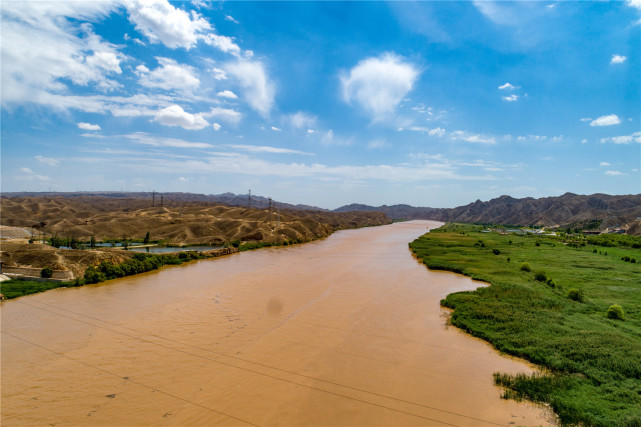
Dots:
{"x": 575, "y": 295}
{"x": 551, "y": 283}
{"x": 93, "y": 275}
{"x": 540, "y": 276}
{"x": 633, "y": 260}
{"x": 496, "y": 252}
{"x": 615, "y": 312}
{"x": 626, "y": 258}
{"x": 46, "y": 272}
{"x": 525, "y": 267}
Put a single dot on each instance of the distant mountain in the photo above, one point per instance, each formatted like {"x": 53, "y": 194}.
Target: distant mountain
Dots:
{"x": 173, "y": 197}
{"x": 599, "y": 211}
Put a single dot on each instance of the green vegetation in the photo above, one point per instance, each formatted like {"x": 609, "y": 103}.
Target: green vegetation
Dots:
{"x": 562, "y": 323}
{"x": 16, "y": 288}
{"x": 615, "y": 312}
{"x": 139, "y": 263}
{"x": 46, "y": 272}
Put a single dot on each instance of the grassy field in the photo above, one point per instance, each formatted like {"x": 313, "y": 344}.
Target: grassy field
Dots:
{"x": 555, "y": 315}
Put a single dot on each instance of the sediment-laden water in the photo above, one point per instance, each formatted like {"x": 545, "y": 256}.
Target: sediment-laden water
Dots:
{"x": 347, "y": 331}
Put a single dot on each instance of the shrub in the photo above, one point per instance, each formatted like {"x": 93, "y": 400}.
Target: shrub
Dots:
{"x": 93, "y": 275}
{"x": 540, "y": 276}
{"x": 551, "y": 283}
{"x": 496, "y": 252}
{"x": 633, "y": 260}
{"x": 525, "y": 267}
{"x": 625, "y": 258}
{"x": 537, "y": 243}
{"x": 594, "y": 251}
{"x": 575, "y": 295}
{"x": 508, "y": 259}
{"x": 615, "y": 312}
{"x": 46, "y": 272}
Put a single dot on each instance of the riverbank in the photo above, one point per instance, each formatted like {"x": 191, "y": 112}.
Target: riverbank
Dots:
{"x": 548, "y": 303}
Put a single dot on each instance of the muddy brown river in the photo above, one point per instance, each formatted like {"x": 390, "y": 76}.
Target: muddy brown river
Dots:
{"x": 347, "y": 331}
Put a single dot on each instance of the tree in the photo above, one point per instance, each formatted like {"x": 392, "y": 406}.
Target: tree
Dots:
{"x": 46, "y": 272}
{"x": 146, "y": 241}
{"x": 93, "y": 241}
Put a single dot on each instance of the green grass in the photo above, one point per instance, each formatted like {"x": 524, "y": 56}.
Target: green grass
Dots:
{"x": 17, "y": 288}
{"x": 594, "y": 361}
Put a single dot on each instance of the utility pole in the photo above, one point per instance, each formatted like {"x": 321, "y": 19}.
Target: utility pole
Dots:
{"x": 153, "y": 199}
{"x": 249, "y": 200}
{"x": 162, "y": 200}
{"x": 269, "y": 211}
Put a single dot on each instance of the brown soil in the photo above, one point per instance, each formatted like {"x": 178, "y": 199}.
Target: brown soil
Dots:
{"x": 175, "y": 223}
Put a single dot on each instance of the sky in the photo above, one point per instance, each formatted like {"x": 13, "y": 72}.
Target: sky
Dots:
{"x": 432, "y": 103}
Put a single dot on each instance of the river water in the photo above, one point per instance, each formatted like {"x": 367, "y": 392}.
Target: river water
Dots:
{"x": 347, "y": 331}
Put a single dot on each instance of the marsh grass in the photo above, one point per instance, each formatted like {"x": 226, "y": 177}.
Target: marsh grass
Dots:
{"x": 594, "y": 361}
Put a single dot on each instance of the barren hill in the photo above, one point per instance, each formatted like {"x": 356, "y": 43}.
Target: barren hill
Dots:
{"x": 599, "y": 210}
{"x": 182, "y": 223}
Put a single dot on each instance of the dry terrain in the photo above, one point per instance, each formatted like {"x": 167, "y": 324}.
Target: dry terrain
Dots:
{"x": 176, "y": 223}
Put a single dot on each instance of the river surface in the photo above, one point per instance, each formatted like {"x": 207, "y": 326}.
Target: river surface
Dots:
{"x": 347, "y": 331}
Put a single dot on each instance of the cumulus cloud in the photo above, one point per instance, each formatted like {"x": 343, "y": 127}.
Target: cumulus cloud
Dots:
{"x": 618, "y": 59}
{"x": 615, "y": 173}
{"x": 634, "y": 3}
{"x": 625, "y": 139}
{"x": 88, "y": 126}
{"x": 163, "y": 23}
{"x": 227, "y": 94}
{"x": 258, "y": 90}
{"x": 216, "y": 127}
{"x": 274, "y": 128}
{"x": 169, "y": 76}
{"x": 459, "y": 135}
{"x": 432, "y": 132}
{"x": 511, "y": 98}
{"x": 174, "y": 115}
{"x": 604, "y": 164}
{"x": 508, "y": 86}
{"x": 378, "y": 85}
{"x": 610, "y": 120}
{"x": 29, "y": 175}
{"x": 219, "y": 74}
{"x": 224, "y": 43}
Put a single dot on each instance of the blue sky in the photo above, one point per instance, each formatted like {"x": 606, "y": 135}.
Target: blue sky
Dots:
{"x": 323, "y": 103}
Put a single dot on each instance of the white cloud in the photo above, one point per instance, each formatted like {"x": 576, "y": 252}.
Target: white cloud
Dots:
{"x": 266, "y": 149}
{"x": 227, "y": 94}
{"x": 378, "y": 85}
{"x": 604, "y": 164}
{"x": 511, "y": 98}
{"x": 183, "y": 179}
{"x": 626, "y": 139}
{"x": 610, "y": 120}
{"x": 88, "y": 126}
{"x": 31, "y": 176}
{"x": 376, "y": 143}
{"x": 219, "y": 74}
{"x": 432, "y": 132}
{"x": 634, "y": 3}
{"x": 274, "y": 128}
{"x": 157, "y": 141}
{"x": 231, "y": 18}
{"x": 614, "y": 173}
{"x": 216, "y": 127}
{"x": 226, "y": 114}
{"x": 44, "y": 50}
{"x": 174, "y": 115}
{"x": 586, "y": 119}
{"x": 163, "y": 23}
{"x": 301, "y": 120}
{"x": 473, "y": 138}
{"x": 508, "y": 86}
{"x": 224, "y": 43}
{"x": 170, "y": 76}
{"x": 257, "y": 89}
{"x": 47, "y": 161}
{"x": 618, "y": 59}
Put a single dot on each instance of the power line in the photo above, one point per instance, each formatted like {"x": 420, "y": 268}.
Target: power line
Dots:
{"x": 262, "y": 365}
